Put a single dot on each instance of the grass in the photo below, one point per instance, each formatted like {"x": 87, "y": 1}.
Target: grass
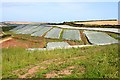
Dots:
{"x": 113, "y": 35}
{"x": 98, "y": 61}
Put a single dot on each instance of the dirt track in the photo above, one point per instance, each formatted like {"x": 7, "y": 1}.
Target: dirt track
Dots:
{"x": 6, "y": 39}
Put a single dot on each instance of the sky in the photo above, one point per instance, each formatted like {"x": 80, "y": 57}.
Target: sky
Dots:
{"x": 58, "y": 11}
{"x": 59, "y": 0}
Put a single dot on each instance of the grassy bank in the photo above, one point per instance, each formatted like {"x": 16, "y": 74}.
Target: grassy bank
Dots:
{"x": 89, "y": 62}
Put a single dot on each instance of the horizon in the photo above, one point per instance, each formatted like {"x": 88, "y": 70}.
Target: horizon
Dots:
{"x": 59, "y": 11}
{"x": 67, "y": 21}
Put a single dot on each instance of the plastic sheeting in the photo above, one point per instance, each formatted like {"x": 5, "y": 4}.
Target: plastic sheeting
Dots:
{"x": 71, "y": 35}
{"x": 99, "y": 38}
{"x": 28, "y": 29}
{"x": 34, "y": 30}
{"x": 54, "y": 33}
{"x": 41, "y": 32}
{"x": 22, "y": 29}
{"x": 18, "y": 27}
{"x": 55, "y": 45}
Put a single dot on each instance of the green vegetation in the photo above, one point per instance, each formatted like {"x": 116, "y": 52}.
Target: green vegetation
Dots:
{"x": 113, "y": 35}
{"x": 89, "y": 62}
{"x": 7, "y": 28}
{"x": 5, "y": 36}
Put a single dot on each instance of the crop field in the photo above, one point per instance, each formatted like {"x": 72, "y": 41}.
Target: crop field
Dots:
{"x": 71, "y": 35}
{"x": 22, "y": 29}
{"x": 99, "y": 22}
{"x": 53, "y": 45}
{"x": 99, "y": 38}
{"x": 56, "y": 61}
{"x": 18, "y": 27}
{"x": 54, "y": 33}
{"x": 41, "y": 32}
{"x": 34, "y": 30}
{"x": 27, "y": 30}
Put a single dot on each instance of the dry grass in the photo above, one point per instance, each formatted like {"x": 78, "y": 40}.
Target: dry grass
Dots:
{"x": 99, "y": 23}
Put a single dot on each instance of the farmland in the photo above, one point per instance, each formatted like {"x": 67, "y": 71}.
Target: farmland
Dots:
{"x": 99, "y": 38}
{"x": 54, "y": 33}
{"x": 71, "y": 35}
{"x": 112, "y": 22}
{"x": 93, "y": 61}
{"x": 41, "y": 32}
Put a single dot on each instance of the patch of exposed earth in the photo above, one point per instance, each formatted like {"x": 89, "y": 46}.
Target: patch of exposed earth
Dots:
{"x": 29, "y": 72}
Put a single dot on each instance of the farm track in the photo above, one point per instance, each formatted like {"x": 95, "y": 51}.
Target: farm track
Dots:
{"x": 6, "y": 39}
{"x": 29, "y": 71}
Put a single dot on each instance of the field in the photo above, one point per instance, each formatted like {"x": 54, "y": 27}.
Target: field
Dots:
{"x": 54, "y": 33}
{"x": 99, "y": 38}
{"x": 71, "y": 35}
{"x": 99, "y": 23}
{"x": 28, "y": 41}
{"x": 100, "y": 61}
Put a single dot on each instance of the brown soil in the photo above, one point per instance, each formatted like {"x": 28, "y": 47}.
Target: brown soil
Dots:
{"x": 72, "y": 42}
{"x": 30, "y": 71}
{"x": 23, "y": 44}
{"x": 83, "y": 38}
{"x": 66, "y": 71}
{"x": 13, "y": 43}
{"x": 50, "y": 75}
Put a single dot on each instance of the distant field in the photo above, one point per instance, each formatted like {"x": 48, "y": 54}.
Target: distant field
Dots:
{"x": 20, "y": 22}
{"x": 99, "y": 23}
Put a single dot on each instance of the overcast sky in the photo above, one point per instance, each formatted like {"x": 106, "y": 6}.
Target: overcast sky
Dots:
{"x": 58, "y": 11}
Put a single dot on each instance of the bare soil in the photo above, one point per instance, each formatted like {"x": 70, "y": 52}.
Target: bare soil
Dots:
{"x": 13, "y": 43}
{"x": 23, "y": 44}
{"x": 29, "y": 71}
